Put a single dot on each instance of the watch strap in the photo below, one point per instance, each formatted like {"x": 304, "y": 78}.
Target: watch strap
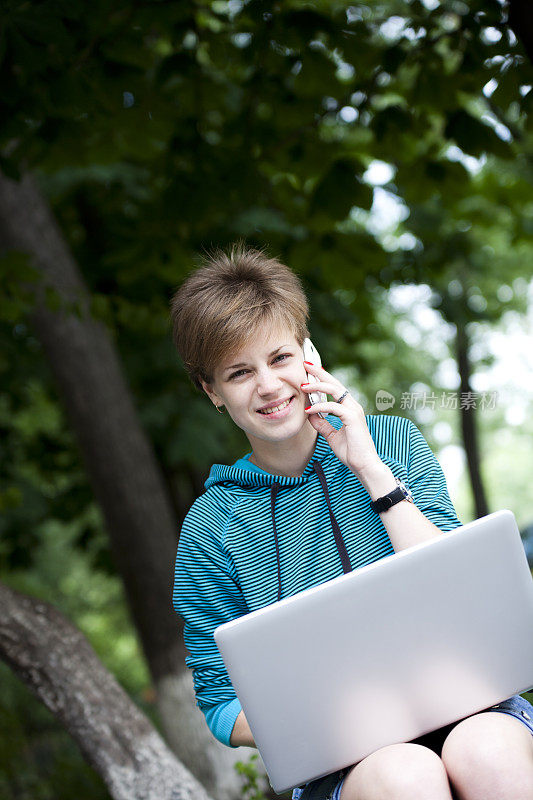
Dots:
{"x": 388, "y": 500}
{"x": 401, "y": 492}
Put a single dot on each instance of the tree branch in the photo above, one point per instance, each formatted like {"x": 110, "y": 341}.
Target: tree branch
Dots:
{"x": 57, "y": 663}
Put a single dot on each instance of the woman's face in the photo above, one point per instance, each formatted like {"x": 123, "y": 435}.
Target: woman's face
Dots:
{"x": 265, "y": 373}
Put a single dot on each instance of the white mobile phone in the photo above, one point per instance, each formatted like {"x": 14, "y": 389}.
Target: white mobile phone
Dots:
{"x": 311, "y": 354}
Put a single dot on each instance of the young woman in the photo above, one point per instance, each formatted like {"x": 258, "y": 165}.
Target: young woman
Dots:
{"x": 296, "y": 511}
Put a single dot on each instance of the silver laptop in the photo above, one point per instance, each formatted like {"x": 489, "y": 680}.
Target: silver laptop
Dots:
{"x": 386, "y": 653}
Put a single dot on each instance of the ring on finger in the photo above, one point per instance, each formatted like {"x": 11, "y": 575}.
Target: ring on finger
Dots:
{"x": 341, "y": 398}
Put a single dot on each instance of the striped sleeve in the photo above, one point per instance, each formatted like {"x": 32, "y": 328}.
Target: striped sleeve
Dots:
{"x": 206, "y": 594}
{"x": 428, "y": 484}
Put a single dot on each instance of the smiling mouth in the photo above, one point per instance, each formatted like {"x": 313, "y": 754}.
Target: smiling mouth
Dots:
{"x": 266, "y": 412}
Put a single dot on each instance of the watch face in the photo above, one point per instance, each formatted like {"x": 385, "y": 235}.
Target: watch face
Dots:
{"x": 407, "y": 492}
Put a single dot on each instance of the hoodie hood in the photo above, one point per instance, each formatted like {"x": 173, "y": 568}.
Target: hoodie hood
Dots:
{"x": 225, "y": 475}
{"x": 322, "y": 465}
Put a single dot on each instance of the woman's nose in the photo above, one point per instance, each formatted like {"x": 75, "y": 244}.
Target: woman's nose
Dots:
{"x": 267, "y": 381}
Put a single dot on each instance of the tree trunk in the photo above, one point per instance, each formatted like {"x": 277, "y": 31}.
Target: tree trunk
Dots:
{"x": 123, "y": 471}
{"x": 468, "y": 425}
{"x": 58, "y": 664}
{"x": 120, "y": 461}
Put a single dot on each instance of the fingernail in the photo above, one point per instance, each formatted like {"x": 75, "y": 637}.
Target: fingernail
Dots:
{"x": 309, "y": 362}
{"x": 304, "y": 384}
{"x": 307, "y": 409}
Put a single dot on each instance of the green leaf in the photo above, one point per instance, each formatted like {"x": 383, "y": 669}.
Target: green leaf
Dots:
{"x": 339, "y": 190}
{"x": 474, "y": 137}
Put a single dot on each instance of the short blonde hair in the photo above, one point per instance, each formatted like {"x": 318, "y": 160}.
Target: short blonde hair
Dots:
{"x": 221, "y": 304}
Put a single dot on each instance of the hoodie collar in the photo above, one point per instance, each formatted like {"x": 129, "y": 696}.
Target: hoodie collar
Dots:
{"x": 224, "y": 474}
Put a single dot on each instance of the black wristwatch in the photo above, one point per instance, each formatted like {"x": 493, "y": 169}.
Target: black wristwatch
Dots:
{"x": 388, "y": 500}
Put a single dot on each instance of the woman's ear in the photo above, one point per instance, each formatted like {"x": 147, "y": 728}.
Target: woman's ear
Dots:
{"x": 210, "y": 392}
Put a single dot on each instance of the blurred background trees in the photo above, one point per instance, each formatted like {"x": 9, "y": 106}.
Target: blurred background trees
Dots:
{"x": 382, "y": 150}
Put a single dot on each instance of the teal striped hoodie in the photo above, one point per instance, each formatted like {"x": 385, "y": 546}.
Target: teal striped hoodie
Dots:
{"x": 253, "y": 537}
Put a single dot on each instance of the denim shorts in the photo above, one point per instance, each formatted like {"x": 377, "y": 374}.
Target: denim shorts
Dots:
{"x": 328, "y": 787}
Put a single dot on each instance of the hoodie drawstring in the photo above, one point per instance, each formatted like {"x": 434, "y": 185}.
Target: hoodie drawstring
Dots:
{"x": 273, "y": 492}
{"x": 339, "y": 541}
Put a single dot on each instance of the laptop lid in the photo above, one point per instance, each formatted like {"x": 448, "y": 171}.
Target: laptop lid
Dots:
{"x": 386, "y": 653}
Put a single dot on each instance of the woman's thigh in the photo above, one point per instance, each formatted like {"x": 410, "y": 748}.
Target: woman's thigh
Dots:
{"x": 492, "y": 746}
{"x": 404, "y": 770}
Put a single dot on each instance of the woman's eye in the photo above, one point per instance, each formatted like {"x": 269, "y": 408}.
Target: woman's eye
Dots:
{"x": 241, "y": 371}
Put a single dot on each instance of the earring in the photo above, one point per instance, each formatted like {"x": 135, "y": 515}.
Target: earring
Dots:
{"x": 218, "y": 409}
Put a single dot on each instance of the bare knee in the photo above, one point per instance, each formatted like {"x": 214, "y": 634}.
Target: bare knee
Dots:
{"x": 397, "y": 772}
{"x": 489, "y": 755}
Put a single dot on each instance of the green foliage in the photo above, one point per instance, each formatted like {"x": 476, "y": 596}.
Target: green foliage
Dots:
{"x": 17, "y": 296}
{"x": 251, "y": 788}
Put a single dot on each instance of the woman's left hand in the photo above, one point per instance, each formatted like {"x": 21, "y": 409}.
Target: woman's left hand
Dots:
{"x": 352, "y": 443}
